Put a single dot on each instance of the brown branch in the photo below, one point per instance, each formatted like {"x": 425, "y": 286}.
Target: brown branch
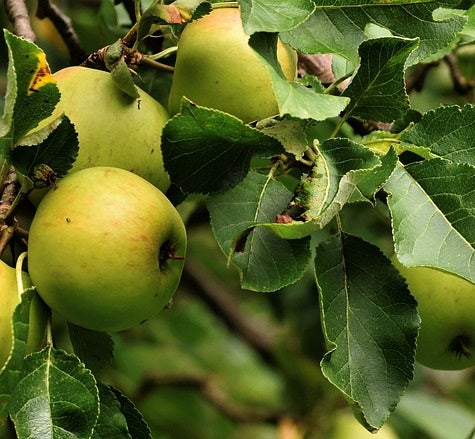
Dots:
{"x": 211, "y": 392}
{"x": 415, "y": 81}
{"x": 221, "y": 301}
{"x": 461, "y": 84}
{"x": 319, "y": 65}
{"x": 18, "y": 14}
{"x": 63, "y": 24}
{"x": 9, "y": 193}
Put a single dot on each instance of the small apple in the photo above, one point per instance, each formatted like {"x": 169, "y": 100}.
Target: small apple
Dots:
{"x": 113, "y": 129}
{"x": 9, "y": 299}
{"x": 446, "y": 304}
{"x": 345, "y": 426}
{"x": 106, "y": 249}
{"x": 215, "y": 67}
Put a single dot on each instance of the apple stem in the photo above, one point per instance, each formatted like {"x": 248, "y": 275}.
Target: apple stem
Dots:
{"x": 18, "y": 272}
{"x": 461, "y": 346}
{"x": 225, "y": 5}
{"x": 167, "y": 252}
{"x": 49, "y": 331}
{"x": 164, "y": 53}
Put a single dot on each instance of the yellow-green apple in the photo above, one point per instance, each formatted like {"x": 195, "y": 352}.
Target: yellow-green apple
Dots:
{"x": 9, "y": 299}
{"x": 446, "y": 304}
{"x": 215, "y": 67}
{"x": 345, "y": 426}
{"x": 106, "y": 249}
{"x": 113, "y": 129}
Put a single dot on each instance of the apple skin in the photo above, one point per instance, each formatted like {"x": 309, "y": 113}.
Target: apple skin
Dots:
{"x": 113, "y": 129}
{"x": 96, "y": 245}
{"x": 446, "y": 304}
{"x": 215, "y": 67}
{"x": 345, "y": 426}
{"x": 8, "y": 301}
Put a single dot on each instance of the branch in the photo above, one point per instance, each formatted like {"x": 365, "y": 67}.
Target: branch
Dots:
{"x": 461, "y": 84}
{"x": 319, "y": 65}
{"x": 416, "y": 80}
{"x": 63, "y": 24}
{"x": 9, "y": 193}
{"x": 211, "y": 392}
{"x": 220, "y": 300}
{"x": 18, "y": 15}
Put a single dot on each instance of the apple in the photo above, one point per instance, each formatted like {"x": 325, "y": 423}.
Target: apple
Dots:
{"x": 113, "y": 129}
{"x": 446, "y": 305}
{"x": 106, "y": 249}
{"x": 9, "y": 299}
{"x": 215, "y": 67}
{"x": 345, "y": 426}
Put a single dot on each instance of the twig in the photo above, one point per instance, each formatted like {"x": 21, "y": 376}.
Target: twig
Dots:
{"x": 217, "y": 297}
{"x": 319, "y": 65}
{"x": 63, "y": 24}
{"x": 461, "y": 84}
{"x": 211, "y": 392}
{"x": 18, "y": 14}
{"x": 416, "y": 80}
{"x": 9, "y": 194}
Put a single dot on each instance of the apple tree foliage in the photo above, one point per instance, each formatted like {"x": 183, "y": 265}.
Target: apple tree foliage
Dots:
{"x": 277, "y": 191}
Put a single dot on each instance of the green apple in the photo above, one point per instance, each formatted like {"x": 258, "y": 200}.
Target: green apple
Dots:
{"x": 106, "y": 249}
{"x": 345, "y": 426}
{"x": 215, "y": 67}
{"x": 446, "y": 304}
{"x": 9, "y": 299}
{"x": 113, "y": 129}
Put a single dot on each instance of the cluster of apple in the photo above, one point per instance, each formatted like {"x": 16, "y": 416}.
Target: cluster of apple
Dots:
{"x": 106, "y": 246}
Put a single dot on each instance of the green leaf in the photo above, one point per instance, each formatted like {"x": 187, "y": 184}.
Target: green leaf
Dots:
{"x": 274, "y": 15}
{"x": 32, "y": 93}
{"x": 95, "y": 349}
{"x": 432, "y": 205}
{"x": 111, "y": 423}
{"x": 12, "y": 370}
{"x": 339, "y": 167}
{"x": 158, "y": 13}
{"x": 370, "y": 322}
{"x": 373, "y": 181}
{"x": 266, "y": 262}
{"x": 448, "y": 132}
{"x": 294, "y": 98}
{"x": 289, "y": 132}
{"x": 341, "y": 30}
{"x": 114, "y": 61}
{"x": 377, "y": 90}
{"x": 138, "y": 428}
{"x": 58, "y": 151}
{"x": 207, "y": 150}
{"x": 57, "y": 396}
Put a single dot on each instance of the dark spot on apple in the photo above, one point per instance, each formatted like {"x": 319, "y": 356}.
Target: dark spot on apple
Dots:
{"x": 68, "y": 220}
{"x": 167, "y": 252}
{"x": 461, "y": 346}
{"x": 142, "y": 322}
